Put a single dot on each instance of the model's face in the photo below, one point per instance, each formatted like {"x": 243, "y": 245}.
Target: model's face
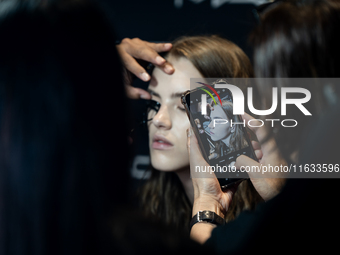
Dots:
{"x": 167, "y": 130}
{"x": 220, "y": 131}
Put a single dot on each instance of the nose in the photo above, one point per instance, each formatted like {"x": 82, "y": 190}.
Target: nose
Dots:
{"x": 162, "y": 119}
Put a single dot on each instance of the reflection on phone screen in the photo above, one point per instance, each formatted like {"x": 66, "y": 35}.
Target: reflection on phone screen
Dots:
{"x": 222, "y": 135}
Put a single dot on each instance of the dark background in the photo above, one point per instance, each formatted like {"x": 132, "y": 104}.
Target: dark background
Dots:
{"x": 164, "y": 20}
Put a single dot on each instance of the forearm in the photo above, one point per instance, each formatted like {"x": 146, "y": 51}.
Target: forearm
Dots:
{"x": 201, "y": 232}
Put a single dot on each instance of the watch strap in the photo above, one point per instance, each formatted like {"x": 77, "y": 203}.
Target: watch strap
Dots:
{"x": 207, "y": 216}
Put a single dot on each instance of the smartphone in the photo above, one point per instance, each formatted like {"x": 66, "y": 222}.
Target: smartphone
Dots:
{"x": 220, "y": 142}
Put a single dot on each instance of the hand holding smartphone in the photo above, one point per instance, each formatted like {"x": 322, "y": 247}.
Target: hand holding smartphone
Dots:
{"x": 222, "y": 136}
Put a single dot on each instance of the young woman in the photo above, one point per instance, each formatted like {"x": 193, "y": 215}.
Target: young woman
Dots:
{"x": 168, "y": 194}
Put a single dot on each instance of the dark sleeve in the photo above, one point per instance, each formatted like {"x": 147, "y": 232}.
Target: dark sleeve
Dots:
{"x": 230, "y": 238}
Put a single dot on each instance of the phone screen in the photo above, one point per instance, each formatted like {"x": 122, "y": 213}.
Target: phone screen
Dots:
{"x": 222, "y": 136}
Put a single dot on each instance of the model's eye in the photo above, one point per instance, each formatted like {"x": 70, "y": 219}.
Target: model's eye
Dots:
{"x": 181, "y": 108}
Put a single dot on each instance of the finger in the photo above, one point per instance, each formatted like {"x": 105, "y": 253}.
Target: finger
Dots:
{"x": 158, "y": 60}
{"x": 228, "y": 195}
{"x": 256, "y": 145}
{"x": 136, "y": 93}
{"x": 260, "y": 171}
{"x": 245, "y": 161}
{"x": 140, "y": 49}
{"x": 167, "y": 68}
{"x": 258, "y": 154}
{"x": 190, "y": 140}
{"x": 149, "y": 52}
{"x": 249, "y": 163}
{"x": 196, "y": 158}
{"x": 134, "y": 67}
{"x": 160, "y": 47}
{"x": 231, "y": 190}
{"x": 198, "y": 123}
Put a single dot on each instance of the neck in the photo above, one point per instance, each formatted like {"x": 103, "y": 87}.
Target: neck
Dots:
{"x": 184, "y": 176}
{"x": 227, "y": 140}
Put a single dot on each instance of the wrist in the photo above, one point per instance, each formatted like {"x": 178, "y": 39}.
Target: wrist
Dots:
{"x": 208, "y": 204}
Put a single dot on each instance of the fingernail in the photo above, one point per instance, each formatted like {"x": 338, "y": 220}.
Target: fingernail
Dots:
{"x": 160, "y": 60}
{"x": 168, "y": 45}
{"x": 145, "y": 76}
{"x": 168, "y": 68}
{"x": 191, "y": 132}
{"x": 143, "y": 96}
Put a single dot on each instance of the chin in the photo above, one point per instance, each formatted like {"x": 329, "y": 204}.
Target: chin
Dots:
{"x": 168, "y": 164}
{"x": 214, "y": 138}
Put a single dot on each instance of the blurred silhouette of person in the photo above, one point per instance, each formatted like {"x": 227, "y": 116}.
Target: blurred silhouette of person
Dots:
{"x": 294, "y": 39}
{"x": 64, "y": 151}
{"x": 61, "y": 170}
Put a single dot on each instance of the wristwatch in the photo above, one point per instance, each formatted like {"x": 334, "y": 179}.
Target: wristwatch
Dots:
{"x": 207, "y": 216}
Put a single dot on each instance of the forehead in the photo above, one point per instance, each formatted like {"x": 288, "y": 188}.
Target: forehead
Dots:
{"x": 218, "y": 112}
{"x": 179, "y": 81}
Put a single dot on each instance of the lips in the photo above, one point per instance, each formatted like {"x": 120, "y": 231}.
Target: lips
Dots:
{"x": 159, "y": 142}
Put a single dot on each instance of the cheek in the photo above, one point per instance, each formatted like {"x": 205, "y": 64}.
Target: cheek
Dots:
{"x": 179, "y": 130}
{"x": 150, "y": 129}
{"x": 222, "y": 131}
{"x": 219, "y": 129}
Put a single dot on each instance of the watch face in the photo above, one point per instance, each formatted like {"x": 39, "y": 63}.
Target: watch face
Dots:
{"x": 211, "y": 217}
{"x": 205, "y": 216}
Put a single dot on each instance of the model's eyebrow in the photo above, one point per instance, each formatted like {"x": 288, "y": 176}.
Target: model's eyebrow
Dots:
{"x": 173, "y": 95}
{"x": 154, "y": 93}
{"x": 177, "y": 94}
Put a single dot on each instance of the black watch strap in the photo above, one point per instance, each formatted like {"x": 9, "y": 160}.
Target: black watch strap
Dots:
{"x": 207, "y": 216}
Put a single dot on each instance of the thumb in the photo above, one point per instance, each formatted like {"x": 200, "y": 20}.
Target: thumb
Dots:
{"x": 192, "y": 144}
{"x": 195, "y": 156}
{"x": 248, "y": 163}
{"x": 136, "y": 93}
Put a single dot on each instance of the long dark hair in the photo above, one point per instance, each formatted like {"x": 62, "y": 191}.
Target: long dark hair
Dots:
{"x": 163, "y": 196}
{"x": 298, "y": 39}
{"x": 59, "y": 169}
{"x": 237, "y": 141}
